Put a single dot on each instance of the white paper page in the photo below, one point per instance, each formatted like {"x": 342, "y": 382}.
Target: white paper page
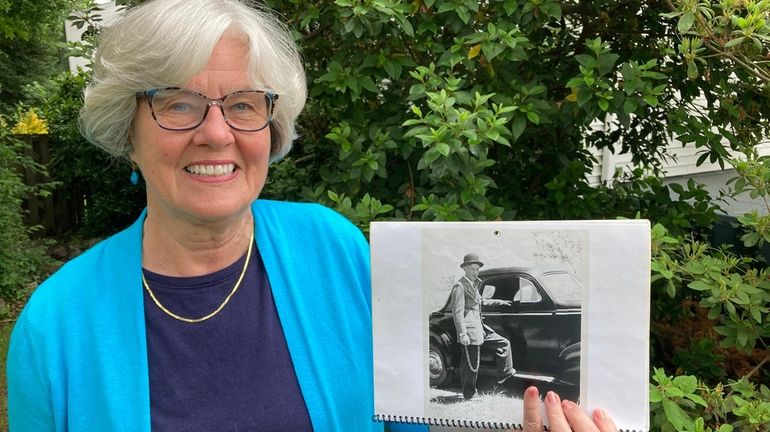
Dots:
{"x": 611, "y": 257}
{"x": 397, "y": 320}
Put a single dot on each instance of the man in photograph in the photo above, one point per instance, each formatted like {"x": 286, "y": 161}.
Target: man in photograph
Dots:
{"x": 471, "y": 331}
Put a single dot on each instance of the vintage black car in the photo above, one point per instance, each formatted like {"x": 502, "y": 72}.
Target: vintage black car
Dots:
{"x": 542, "y": 323}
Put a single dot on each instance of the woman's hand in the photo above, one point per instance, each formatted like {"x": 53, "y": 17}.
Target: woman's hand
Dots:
{"x": 563, "y": 416}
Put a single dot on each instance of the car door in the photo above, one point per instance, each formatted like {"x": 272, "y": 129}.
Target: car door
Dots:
{"x": 529, "y": 323}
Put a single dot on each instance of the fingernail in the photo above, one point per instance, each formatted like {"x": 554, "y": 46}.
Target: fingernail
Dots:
{"x": 599, "y": 414}
{"x": 568, "y": 405}
{"x": 532, "y": 391}
{"x": 552, "y": 397}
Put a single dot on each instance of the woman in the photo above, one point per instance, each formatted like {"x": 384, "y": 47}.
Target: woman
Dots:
{"x": 153, "y": 327}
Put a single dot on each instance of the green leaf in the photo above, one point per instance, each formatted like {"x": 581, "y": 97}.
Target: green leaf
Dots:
{"x": 686, "y": 383}
{"x": 510, "y": 6}
{"x": 676, "y": 415}
{"x": 757, "y": 315}
{"x": 671, "y": 289}
{"x": 697, "y": 399}
{"x": 517, "y": 126}
{"x": 406, "y": 26}
{"x": 428, "y": 158}
{"x": 655, "y": 394}
{"x": 699, "y": 285}
{"x": 651, "y": 100}
{"x": 503, "y": 140}
{"x": 587, "y": 61}
{"x": 735, "y": 42}
{"x": 533, "y": 117}
{"x": 692, "y": 70}
{"x": 630, "y": 106}
{"x": 392, "y": 68}
{"x": 464, "y": 14}
{"x": 446, "y": 7}
{"x": 686, "y": 21}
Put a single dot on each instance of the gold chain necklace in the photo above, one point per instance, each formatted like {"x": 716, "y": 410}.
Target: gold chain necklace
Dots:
{"x": 217, "y": 310}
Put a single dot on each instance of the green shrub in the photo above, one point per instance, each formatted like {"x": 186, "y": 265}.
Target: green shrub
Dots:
{"x": 22, "y": 261}
{"x": 98, "y": 183}
{"x": 703, "y": 294}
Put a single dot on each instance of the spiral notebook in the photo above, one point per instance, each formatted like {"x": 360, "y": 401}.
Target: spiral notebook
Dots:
{"x": 466, "y": 315}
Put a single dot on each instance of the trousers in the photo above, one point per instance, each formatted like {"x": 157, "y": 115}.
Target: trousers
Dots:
{"x": 469, "y": 372}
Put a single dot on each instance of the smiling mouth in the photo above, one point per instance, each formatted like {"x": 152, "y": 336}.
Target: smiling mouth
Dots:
{"x": 210, "y": 170}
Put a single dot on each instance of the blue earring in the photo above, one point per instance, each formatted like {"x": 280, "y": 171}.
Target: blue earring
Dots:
{"x": 134, "y": 175}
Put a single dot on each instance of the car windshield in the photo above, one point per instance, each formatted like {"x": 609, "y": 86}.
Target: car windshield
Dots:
{"x": 564, "y": 288}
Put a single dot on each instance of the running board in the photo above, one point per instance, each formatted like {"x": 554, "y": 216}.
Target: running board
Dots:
{"x": 543, "y": 378}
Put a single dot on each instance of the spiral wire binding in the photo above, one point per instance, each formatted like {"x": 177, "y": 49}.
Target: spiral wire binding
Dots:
{"x": 473, "y": 424}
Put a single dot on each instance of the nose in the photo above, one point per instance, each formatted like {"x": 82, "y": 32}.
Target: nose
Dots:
{"x": 214, "y": 131}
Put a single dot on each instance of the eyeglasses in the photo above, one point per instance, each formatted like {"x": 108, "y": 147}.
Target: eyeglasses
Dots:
{"x": 179, "y": 109}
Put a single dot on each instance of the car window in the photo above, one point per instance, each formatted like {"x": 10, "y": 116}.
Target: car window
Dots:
{"x": 564, "y": 287}
{"x": 527, "y": 292}
{"x": 498, "y": 287}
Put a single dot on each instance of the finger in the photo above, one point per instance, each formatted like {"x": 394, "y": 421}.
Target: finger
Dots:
{"x": 556, "y": 420}
{"x": 577, "y": 418}
{"x": 603, "y": 421}
{"x": 532, "y": 420}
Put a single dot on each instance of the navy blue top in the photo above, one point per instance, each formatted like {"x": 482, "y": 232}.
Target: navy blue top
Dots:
{"x": 231, "y": 372}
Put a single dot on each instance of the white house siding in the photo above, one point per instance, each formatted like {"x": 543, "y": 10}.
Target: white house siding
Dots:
{"x": 73, "y": 33}
{"x": 679, "y": 168}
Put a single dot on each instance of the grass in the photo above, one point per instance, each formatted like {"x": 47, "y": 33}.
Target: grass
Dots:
{"x": 490, "y": 404}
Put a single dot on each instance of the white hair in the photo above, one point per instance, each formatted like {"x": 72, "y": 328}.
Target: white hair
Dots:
{"x": 164, "y": 43}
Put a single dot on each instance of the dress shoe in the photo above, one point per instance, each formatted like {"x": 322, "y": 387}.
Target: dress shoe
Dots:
{"x": 507, "y": 376}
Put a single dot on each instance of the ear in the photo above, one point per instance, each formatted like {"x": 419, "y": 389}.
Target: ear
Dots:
{"x": 130, "y": 142}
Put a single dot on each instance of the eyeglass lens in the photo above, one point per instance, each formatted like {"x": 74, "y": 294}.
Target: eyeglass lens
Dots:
{"x": 183, "y": 109}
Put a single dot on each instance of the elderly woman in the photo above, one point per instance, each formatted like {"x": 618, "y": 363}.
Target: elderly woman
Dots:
{"x": 214, "y": 311}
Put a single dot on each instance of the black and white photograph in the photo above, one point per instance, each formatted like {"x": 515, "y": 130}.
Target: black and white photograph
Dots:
{"x": 503, "y": 311}
{"x": 467, "y": 316}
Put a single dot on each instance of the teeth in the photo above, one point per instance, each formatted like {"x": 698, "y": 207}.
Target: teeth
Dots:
{"x": 211, "y": 170}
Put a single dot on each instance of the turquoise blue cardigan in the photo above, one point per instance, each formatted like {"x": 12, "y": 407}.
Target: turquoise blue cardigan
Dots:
{"x": 78, "y": 357}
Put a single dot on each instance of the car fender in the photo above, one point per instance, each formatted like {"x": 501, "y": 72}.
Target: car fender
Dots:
{"x": 570, "y": 353}
{"x": 446, "y": 342}
{"x": 569, "y": 359}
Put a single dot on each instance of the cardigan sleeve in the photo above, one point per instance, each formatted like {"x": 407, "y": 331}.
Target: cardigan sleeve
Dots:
{"x": 30, "y": 407}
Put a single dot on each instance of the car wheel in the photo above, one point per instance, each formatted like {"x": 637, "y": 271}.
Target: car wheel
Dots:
{"x": 437, "y": 366}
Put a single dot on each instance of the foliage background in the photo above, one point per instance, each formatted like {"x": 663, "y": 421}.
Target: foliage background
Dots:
{"x": 484, "y": 110}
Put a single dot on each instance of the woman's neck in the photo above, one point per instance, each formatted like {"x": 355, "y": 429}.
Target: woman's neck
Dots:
{"x": 186, "y": 248}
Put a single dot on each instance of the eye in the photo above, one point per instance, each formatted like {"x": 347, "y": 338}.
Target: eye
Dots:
{"x": 178, "y": 107}
{"x": 179, "y": 103}
{"x": 175, "y": 105}
{"x": 242, "y": 106}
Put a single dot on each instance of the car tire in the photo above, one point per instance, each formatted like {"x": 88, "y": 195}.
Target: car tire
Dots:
{"x": 437, "y": 366}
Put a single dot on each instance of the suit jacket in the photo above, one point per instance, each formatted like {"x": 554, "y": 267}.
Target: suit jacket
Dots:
{"x": 466, "y": 309}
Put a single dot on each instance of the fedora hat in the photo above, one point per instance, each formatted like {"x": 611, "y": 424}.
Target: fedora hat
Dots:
{"x": 471, "y": 258}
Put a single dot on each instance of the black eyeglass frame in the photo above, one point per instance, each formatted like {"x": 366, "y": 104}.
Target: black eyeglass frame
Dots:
{"x": 270, "y": 96}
